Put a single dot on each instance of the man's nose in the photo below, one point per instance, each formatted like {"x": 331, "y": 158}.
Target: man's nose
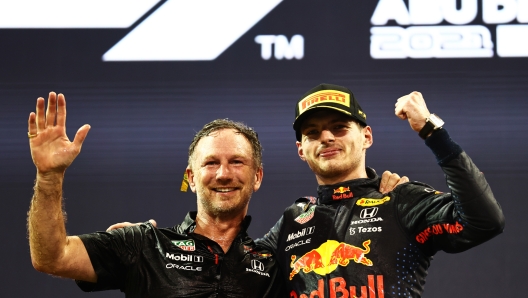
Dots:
{"x": 327, "y": 136}
{"x": 223, "y": 172}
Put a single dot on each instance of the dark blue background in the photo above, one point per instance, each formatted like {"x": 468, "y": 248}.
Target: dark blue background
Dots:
{"x": 144, "y": 115}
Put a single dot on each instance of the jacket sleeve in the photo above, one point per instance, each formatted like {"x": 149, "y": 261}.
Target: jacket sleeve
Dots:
{"x": 467, "y": 216}
{"x": 270, "y": 240}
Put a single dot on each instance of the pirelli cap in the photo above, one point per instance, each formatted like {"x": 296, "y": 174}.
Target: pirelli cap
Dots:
{"x": 327, "y": 96}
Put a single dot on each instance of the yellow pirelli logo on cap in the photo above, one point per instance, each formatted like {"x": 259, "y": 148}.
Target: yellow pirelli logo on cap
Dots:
{"x": 324, "y": 96}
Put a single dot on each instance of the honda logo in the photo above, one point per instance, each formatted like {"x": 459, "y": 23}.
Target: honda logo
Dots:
{"x": 368, "y": 212}
{"x": 257, "y": 265}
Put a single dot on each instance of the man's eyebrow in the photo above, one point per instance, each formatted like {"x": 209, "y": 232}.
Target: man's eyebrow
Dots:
{"x": 338, "y": 119}
{"x": 212, "y": 156}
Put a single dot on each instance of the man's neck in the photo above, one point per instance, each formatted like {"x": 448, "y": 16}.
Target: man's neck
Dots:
{"x": 335, "y": 179}
{"x": 221, "y": 230}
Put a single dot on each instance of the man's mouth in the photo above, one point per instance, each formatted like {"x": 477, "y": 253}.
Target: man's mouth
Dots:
{"x": 329, "y": 152}
{"x": 224, "y": 189}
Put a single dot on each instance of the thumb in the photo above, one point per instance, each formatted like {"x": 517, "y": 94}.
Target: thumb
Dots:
{"x": 81, "y": 135}
{"x": 153, "y": 222}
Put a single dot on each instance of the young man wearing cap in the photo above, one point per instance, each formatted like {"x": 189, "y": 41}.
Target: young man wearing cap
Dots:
{"x": 208, "y": 255}
{"x": 354, "y": 241}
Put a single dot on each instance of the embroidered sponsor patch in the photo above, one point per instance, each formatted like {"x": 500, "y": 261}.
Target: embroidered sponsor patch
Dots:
{"x": 185, "y": 244}
{"x": 324, "y": 96}
{"x": 369, "y": 202}
{"x": 341, "y": 189}
{"x": 306, "y": 216}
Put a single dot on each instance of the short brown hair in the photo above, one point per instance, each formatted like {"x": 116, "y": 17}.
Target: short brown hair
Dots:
{"x": 249, "y": 133}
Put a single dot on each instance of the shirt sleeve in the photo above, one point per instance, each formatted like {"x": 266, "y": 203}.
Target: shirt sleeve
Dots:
{"x": 270, "y": 240}
{"x": 112, "y": 254}
{"x": 454, "y": 222}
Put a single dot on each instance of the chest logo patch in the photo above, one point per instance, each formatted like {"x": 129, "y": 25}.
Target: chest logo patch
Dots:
{"x": 306, "y": 216}
{"x": 342, "y": 193}
{"x": 325, "y": 259}
{"x": 187, "y": 245}
{"x": 368, "y": 202}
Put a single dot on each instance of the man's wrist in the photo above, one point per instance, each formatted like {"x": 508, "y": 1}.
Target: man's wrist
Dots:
{"x": 432, "y": 123}
{"x": 49, "y": 178}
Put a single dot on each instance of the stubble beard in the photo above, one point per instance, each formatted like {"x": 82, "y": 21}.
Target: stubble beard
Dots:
{"x": 335, "y": 168}
{"x": 215, "y": 208}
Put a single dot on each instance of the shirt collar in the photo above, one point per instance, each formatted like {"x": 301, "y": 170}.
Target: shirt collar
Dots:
{"x": 189, "y": 223}
{"x": 348, "y": 189}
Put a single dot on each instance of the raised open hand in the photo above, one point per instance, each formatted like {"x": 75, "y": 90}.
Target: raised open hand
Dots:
{"x": 51, "y": 150}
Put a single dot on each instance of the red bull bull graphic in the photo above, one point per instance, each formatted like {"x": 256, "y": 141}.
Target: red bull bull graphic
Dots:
{"x": 328, "y": 256}
{"x": 337, "y": 287}
{"x": 341, "y": 189}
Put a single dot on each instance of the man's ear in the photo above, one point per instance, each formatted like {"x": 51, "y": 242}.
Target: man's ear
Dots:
{"x": 259, "y": 175}
{"x": 369, "y": 139}
{"x": 300, "y": 150}
{"x": 190, "y": 177}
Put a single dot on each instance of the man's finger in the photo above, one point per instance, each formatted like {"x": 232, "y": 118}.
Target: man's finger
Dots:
{"x": 392, "y": 182}
{"x": 51, "y": 110}
{"x": 40, "y": 116}
{"x": 119, "y": 225}
{"x": 403, "y": 179}
{"x": 129, "y": 224}
{"x": 153, "y": 222}
{"x": 61, "y": 110}
{"x": 32, "y": 124}
{"x": 384, "y": 179}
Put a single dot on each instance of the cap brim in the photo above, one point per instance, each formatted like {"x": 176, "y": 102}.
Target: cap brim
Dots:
{"x": 299, "y": 120}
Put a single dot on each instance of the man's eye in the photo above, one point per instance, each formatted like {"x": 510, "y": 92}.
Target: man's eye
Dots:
{"x": 311, "y": 132}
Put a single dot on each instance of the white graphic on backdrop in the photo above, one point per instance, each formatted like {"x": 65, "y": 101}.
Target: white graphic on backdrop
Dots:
{"x": 45, "y": 14}
{"x": 282, "y": 48}
{"x": 177, "y": 30}
{"x": 459, "y": 40}
{"x": 190, "y": 30}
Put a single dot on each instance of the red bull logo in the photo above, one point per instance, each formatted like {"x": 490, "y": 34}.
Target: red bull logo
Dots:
{"x": 342, "y": 193}
{"x": 341, "y": 189}
{"x": 337, "y": 287}
{"x": 328, "y": 256}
